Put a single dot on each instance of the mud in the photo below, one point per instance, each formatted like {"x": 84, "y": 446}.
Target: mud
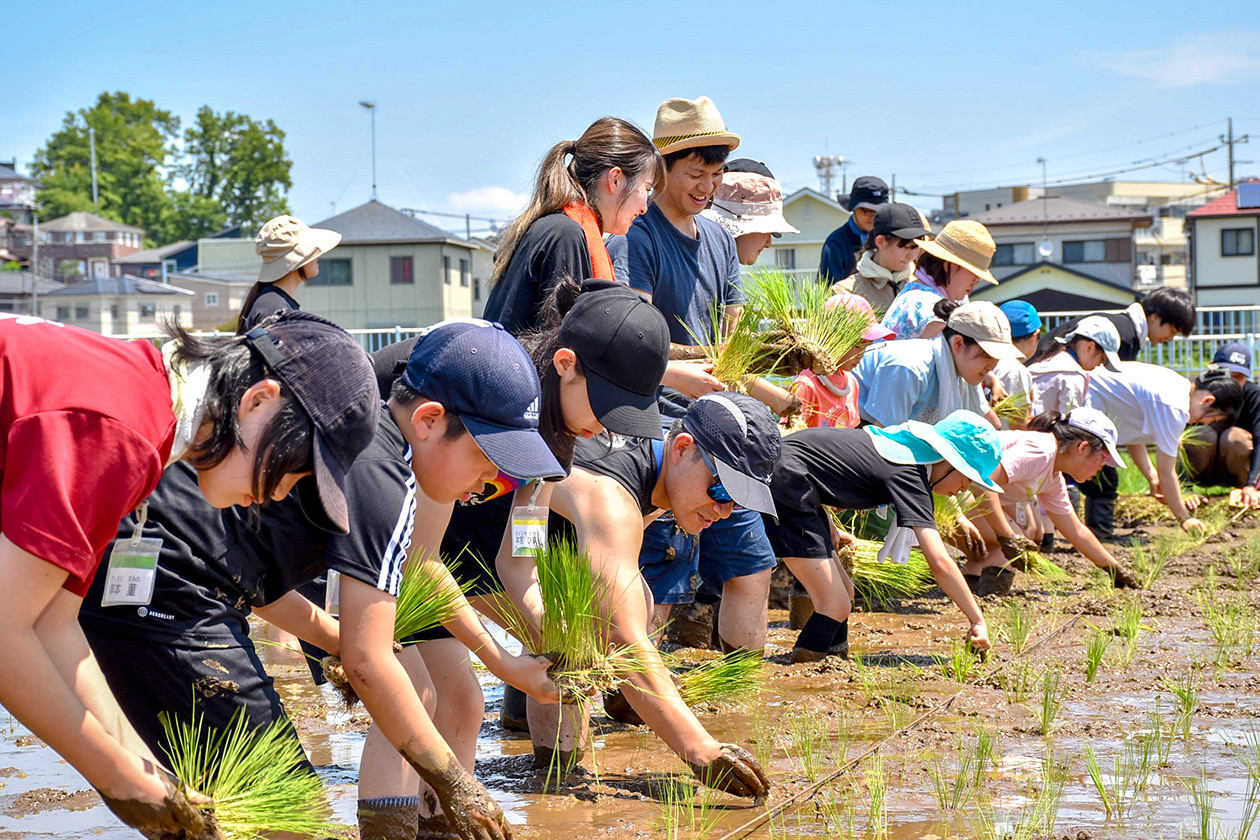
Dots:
{"x": 624, "y": 785}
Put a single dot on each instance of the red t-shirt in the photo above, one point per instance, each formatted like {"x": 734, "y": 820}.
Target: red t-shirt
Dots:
{"x": 86, "y": 426}
{"x": 820, "y": 406}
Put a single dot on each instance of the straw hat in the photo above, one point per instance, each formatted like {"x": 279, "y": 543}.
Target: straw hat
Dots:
{"x": 286, "y": 244}
{"x": 967, "y": 243}
{"x": 687, "y": 124}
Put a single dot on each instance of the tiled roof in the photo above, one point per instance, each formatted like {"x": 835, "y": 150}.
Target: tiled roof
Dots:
{"x": 376, "y": 222}
{"x": 125, "y": 285}
{"x": 1057, "y": 210}
{"x": 1226, "y": 205}
{"x": 81, "y": 221}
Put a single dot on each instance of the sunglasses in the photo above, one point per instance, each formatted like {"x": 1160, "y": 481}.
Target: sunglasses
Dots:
{"x": 716, "y": 491}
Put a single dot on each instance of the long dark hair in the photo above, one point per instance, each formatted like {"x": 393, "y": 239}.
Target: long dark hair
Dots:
{"x": 608, "y": 142}
{"x": 1064, "y": 432}
{"x": 285, "y": 446}
{"x": 542, "y": 344}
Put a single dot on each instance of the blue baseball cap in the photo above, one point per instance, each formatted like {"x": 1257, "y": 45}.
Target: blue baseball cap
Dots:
{"x": 1234, "y": 357}
{"x": 965, "y": 439}
{"x": 478, "y": 371}
{"x": 1023, "y": 317}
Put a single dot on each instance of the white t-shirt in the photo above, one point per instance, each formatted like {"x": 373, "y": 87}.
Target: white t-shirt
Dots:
{"x": 1028, "y": 458}
{"x": 1059, "y": 383}
{"x": 1014, "y": 377}
{"x": 1149, "y": 404}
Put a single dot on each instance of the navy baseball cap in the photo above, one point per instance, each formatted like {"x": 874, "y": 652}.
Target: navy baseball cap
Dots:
{"x": 869, "y": 192}
{"x": 1234, "y": 357}
{"x": 743, "y": 438}
{"x": 478, "y": 371}
{"x": 1023, "y": 317}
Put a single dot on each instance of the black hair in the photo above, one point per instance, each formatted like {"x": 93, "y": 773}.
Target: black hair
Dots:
{"x": 934, "y": 267}
{"x": 943, "y": 309}
{"x": 871, "y": 244}
{"x": 285, "y": 446}
{"x": 1173, "y": 307}
{"x": 709, "y": 155}
{"x": 1064, "y": 432}
{"x": 542, "y": 344}
{"x": 1222, "y": 386}
{"x": 403, "y": 394}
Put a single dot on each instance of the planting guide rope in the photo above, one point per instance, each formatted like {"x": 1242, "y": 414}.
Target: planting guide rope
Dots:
{"x": 807, "y": 793}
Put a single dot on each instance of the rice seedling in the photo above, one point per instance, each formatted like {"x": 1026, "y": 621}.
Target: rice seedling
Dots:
{"x": 877, "y": 794}
{"x": 734, "y": 678}
{"x": 837, "y": 812}
{"x": 955, "y": 786}
{"x": 1230, "y": 620}
{"x": 1038, "y": 819}
{"x": 961, "y": 663}
{"x": 1249, "y": 755}
{"x": 1159, "y": 733}
{"x": 1244, "y": 564}
{"x": 949, "y": 511}
{"x": 844, "y": 735}
{"x": 1126, "y": 623}
{"x": 1149, "y": 563}
{"x": 1096, "y": 644}
{"x": 1013, "y": 408}
{"x": 1202, "y": 803}
{"x": 427, "y": 596}
{"x": 1044, "y": 571}
{"x": 764, "y": 737}
{"x": 1017, "y": 681}
{"x": 739, "y": 356}
{"x": 897, "y": 713}
{"x": 798, "y": 324}
{"x": 1130, "y": 774}
{"x": 255, "y": 778}
{"x": 877, "y": 581}
{"x": 1185, "y": 692}
{"x": 1052, "y": 697}
{"x": 1017, "y": 625}
{"x": 810, "y": 739}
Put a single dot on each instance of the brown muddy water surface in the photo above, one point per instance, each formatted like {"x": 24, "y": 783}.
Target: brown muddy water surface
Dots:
{"x": 899, "y": 698}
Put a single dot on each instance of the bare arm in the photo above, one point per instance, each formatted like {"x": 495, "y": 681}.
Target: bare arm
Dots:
{"x": 1141, "y": 460}
{"x": 950, "y": 579}
{"x": 1083, "y": 540}
{"x": 1166, "y": 467}
{"x": 295, "y": 614}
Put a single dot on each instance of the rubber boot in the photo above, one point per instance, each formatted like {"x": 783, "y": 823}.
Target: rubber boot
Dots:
{"x": 560, "y": 732}
{"x": 512, "y": 716}
{"x": 389, "y": 818}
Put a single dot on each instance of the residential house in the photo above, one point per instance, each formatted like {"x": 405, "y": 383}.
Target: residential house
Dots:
{"x": 16, "y": 289}
{"x": 156, "y": 263}
{"x": 1057, "y": 288}
{"x": 1225, "y": 266}
{"x": 118, "y": 305}
{"x": 482, "y": 266}
{"x": 225, "y": 271}
{"x": 81, "y": 245}
{"x": 815, "y": 216}
{"x": 17, "y": 193}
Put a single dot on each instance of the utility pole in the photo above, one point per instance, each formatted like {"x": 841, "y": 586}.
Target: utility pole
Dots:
{"x": 35, "y": 265}
{"x": 371, "y": 106}
{"x": 1230, "y": 140}
{"x": 92, "y": 147}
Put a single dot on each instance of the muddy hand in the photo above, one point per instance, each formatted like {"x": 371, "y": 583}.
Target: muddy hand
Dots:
{"x": 469, "y": 809}
{"x": 734, "y": 771}
{"x": 1014, "y": 548}
{"x": 978, "y": 639}
{"x": 1121, "y": 579}
{"x": 535, "y": 678}
{"x": 175, "y": 818}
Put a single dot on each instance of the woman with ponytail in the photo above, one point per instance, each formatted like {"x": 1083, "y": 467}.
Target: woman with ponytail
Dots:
{"x": 585, "y": 188}
{"x": 290, "y": 252}
{"x": 1079, "y": 443}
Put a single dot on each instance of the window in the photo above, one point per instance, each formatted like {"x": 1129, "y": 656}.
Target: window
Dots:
{"x": 148, "y": 311}
{"x": 63, "y": 313}
{"x": 1092, "y": 250}
{"x": 476, "y": 288}
{"x": 400, "y": 273}
{"x": 333, "y": 273}
{"x": 113, "y": 311}
{"x": 101, "y": 236}
{"x": 212, "y": 298}
{"x": 446, "y": 270}
{"x": 465, "y": 273}
{"x": 80, "y": 311}
{"x": 785, "y": 258}
{"x": 1014, "y": 253}
{"x": 1238, "y": 242}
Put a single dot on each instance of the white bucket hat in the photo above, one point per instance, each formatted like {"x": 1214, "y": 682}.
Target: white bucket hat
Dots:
{"x": 286, "y": 244}
{"x": 747, "y": 202}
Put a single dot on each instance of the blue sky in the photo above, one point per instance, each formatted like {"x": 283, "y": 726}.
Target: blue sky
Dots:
{"x": 470, "y": 95}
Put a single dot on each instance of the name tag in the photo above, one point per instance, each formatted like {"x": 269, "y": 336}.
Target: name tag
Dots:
{"x": 131, "y": 573}
{"x": 529, "y": 530}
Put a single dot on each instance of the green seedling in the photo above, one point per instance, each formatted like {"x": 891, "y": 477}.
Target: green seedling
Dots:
{"x": 897, "y": 713}
{"x": 1126, "y": 623}
{"x": 764, "y": 737}
{"x": 1149, "y": 563}
{"x": 844, "y": 735}
{"x": 961, "y": 663}
{"x": 880, "y": 582}
{"x": 1017, "y": 681}
{"x": 427, "y": 596}
{"x": 1017, "y": 625}
{"x": 256, "y": 779}
{"x": 1185, "y": 692}
{"x": 792, "y": 318}
{"x": 1038, "y": 819}
{"x": 1230, "y": 620}
{"x": 1160, "y": 734}
{"x": 1130, "y": 775}
{"x": 1202, "y": 803}
{"x": 877, "y": 792}
{"x": 1052, "y": 697}
{"x": 686, "y": 807}
{"x": 733, "y": 678}
{"x": 1096, "y": 644}
{"x": 1248, "y": 753}
{"x": 956, "y": 784}
{"x": 810, "y": 740}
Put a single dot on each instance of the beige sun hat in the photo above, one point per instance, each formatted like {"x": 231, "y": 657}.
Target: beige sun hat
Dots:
{"x": 748, "y": 202}
{"x": 689, "y": 124}
{"x": 967, "y": 243}
{"x": 988, "y": 325}
{"x": 286, "y": 244}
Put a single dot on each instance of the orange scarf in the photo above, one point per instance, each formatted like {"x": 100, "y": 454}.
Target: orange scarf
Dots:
{"x": 601, "y": 264}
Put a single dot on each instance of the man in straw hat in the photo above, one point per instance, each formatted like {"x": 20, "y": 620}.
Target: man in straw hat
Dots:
{"x": 839, "y": 253}
{"x": 688, "y": 265}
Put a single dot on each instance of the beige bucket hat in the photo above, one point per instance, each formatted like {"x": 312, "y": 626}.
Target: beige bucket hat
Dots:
{"x": 747, "y": 202}
{"x": 286, "y": 244}
{"x": 985, "y": 322}
{"x": 690, "y": 124}
{"x": 967, "y": 243}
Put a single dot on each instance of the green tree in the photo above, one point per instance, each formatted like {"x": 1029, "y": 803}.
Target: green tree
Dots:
{"x": 134, "y": 142}
{"x": 240, "y": 162}
{"x": 190, "y": 216}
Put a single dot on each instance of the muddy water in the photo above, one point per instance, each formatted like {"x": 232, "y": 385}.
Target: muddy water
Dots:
{"x": 619, "y": 791}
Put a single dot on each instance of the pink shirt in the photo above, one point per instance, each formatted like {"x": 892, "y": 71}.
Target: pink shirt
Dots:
{"x": 821, "y": 405}
{"x": 1028, "y": 458}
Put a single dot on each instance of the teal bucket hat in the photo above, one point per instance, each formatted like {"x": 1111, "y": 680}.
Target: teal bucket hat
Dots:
{"x": 965, "y": 439}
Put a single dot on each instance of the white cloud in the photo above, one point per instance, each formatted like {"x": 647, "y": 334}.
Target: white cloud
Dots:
{"x": 1202, "y": 59}
{"x": 488, "y": 201}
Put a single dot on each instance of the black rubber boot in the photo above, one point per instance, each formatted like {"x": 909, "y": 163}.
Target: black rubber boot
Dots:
{"x": 512, "y": 710}
{"x": 389, "y": 818}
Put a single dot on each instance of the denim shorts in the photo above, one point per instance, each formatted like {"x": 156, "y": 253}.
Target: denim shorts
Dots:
{"x": 675, "y": 564}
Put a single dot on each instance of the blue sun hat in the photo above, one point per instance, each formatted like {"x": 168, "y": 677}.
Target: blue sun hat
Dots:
{"x": 965, "y": 439}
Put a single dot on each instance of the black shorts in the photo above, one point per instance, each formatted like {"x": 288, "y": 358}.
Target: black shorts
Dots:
{"x": 149, "y": 677}
{"x": 800, "y": 534}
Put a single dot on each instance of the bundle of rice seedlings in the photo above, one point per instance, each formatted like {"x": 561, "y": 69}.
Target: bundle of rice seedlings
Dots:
{"x": 734, "y": 677}
{"x": 574, "y": 631}
{"x": 255, "y": 778}
{"x": 427, "y": 596}
{"x": 949, "y": 511}
{"x": 1013, "y": 408}
{"x": 1044, "y": 570}
{"x": 739, "y": 356}
{"x": 880, "y": 581}
{"x": 806, "y": 334}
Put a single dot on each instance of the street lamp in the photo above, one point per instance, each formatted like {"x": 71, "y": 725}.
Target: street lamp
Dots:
{"x": 371, "y": 106}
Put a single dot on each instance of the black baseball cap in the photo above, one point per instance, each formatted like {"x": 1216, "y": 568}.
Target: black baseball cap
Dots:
{"x": 896, "y": 219}
{"x": 868, "y": 191}
{"x": 330, "y": 376}
{"x": 743, "y": 438}
{"x": 622, "y": 341}
{"x": 478, "y": 371}
{"x": 748, "y": 165}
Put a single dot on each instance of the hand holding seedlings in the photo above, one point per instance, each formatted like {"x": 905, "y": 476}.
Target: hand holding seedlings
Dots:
{"x": 1194, "y": 526}
{"x": 1015, "y": 546}
{"x": 734, "y": 771}
{"x": 978, "y": 638}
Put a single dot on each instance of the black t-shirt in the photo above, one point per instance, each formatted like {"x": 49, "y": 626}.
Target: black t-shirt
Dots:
{"x": 271, "y": 299}
{"x": 840, "y": 467}
{"x": 1249, "y": 419}
{"x": 216, "y": 565}
{"x": 634, "y": 463}
{"x": 553, "y": 248}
